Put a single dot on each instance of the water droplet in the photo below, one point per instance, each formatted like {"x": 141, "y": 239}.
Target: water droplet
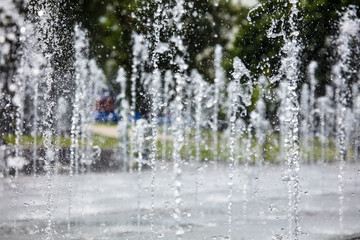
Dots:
{"x": 180, "y": 231}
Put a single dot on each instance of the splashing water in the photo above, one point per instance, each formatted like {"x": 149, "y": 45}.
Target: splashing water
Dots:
{"x": 123, "y": 124}
{"x": 349, "y": 28}
{"x": 235, "y": 93}
{"x": 218, "y": 85}
{"x": 199, "y": 88}
{"x": 243, "y": 142}
{"x": 289, "y": 69}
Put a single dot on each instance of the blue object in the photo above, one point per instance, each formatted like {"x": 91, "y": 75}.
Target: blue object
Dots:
{"x": 164, "y": 119}
{"x": 106, "y": 117}
{"x": 137, "y": 116}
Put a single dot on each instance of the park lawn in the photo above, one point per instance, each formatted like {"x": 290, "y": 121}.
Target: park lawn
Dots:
{"x": 270, "y": 152}
{"x": 97, "y": 140}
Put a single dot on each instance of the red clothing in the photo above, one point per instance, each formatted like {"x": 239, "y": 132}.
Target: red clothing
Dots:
{"x": 105, "y": 105}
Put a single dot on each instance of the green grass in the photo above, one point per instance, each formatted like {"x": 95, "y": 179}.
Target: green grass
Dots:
{"x": 269, "y": 152}
{"x": 105, "y": 142}
{"x": 27, "y": 140}
{"x": 97, "y": 140}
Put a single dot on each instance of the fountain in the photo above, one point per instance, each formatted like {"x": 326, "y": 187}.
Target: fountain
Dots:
{"x": 208, "y": 162}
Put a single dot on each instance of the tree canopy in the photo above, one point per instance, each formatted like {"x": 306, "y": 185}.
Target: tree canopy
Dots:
{"x": 111, "y": 24}
{"x": 317, "y": 25}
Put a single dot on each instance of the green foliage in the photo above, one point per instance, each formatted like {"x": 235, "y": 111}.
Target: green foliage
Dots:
{"x": 206, "y": 25}
{"x": 110, "y": 25}
{"x": 317, "y": 25}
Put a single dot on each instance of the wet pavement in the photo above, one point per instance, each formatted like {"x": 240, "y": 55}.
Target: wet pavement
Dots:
{"x": 110, "y": 205}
